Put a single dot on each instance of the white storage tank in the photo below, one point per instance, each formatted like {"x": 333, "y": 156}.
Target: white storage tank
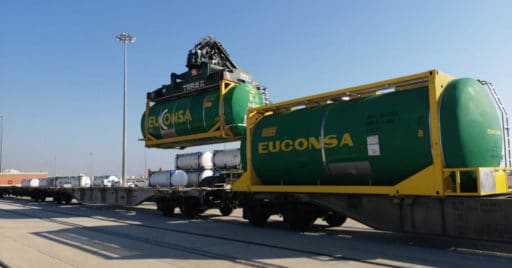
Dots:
{"x": 179, "y": 178}
{"x": 47, "y": 183}
{"x": 105, "y": 181}
{"x": 62, "y": 182}
{"x": 32, "y": 183}
{"x": 194, "y": 177}
{"x": 226, "y": 159}
{"x": 25, "y": 182}
{"x": 83, "y": 181}
{"x": 160, "y": 178}
{"x": 75, "y": 181}
{"x": 194, "y": 161}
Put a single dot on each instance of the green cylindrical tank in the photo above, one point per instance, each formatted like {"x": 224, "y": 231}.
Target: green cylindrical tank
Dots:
{"x": 377, "y": 140}
{"x": 470, "y": 129}
{"x": 199, "y": 113}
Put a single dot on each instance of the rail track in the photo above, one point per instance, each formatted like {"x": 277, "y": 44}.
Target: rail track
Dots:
{"x": 125, "y": 217}
{"x": 180, "y": 247}
{"x": 479, "y": 246}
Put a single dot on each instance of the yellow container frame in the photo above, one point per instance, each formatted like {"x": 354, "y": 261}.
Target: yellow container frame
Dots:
{"x": 434, "y": 180}
{"x": 219, "y": 130}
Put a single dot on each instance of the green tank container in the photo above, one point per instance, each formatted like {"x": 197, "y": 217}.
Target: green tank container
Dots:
{"x": 199, "y": 113}
{"x": 470, "y": 129}
{"x": 378, "y": 140}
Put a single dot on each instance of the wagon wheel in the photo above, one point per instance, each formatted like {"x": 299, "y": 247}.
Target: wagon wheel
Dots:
{"x": 191, "y": 208}
{"x": 226, "y": 210}
{"x": 257, "y": 215}
{"x": 299, "y": 217}
{"x": 168, "y": 207}
{"x": 335, "y": 219}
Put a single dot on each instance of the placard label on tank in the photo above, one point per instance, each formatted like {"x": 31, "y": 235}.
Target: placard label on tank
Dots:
{"x": 268, "y": 132}
{"x": 373, "y": 145}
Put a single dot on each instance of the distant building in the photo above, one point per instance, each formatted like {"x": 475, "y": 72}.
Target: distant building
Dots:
{"x": 12, "y": 177}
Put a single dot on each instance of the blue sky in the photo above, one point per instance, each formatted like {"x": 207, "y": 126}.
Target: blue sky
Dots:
{"x": 61, "y": 68}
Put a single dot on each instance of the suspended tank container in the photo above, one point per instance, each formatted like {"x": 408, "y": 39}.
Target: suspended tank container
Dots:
{"x": 205, "y": 104}
{"x": 205, "y": 117}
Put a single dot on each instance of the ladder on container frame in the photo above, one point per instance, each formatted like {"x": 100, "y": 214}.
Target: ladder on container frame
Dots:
{"x": 504, "y": 122}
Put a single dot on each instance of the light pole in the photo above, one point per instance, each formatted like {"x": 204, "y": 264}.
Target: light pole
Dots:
{"x": 124, "y": 38}
{"x": 1, "y": 139}
{"x": 90, "y": 167}
{"x": 145, "y": 163}
{"x": 55, "y": 162}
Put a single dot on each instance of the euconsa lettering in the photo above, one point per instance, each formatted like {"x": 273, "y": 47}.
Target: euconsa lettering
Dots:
{"x": 306, "y": 143}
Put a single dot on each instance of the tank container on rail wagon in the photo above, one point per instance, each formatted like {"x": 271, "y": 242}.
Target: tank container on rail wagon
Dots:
{"x": 30, "y": 183}
{"x": 179, "y": 178}
{"x": 74, "y": 181}
{"x": 160, "y": 178}
{"x": 194, "y": 161}
{"x": 194, "y": 177}
{"x": 226, "y": 159}
{"x": 376, "y": 140}
{"x": 25, "y": 182}
{"x": 47, "y": 183}
{"x": 200, "y": 113}
{"x": 168, "y": 178}
{"x": 34, "y": 183}
{"x": 105, "y": 181}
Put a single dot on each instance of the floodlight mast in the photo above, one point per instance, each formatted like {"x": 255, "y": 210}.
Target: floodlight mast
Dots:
{"x": 125, "y": 38}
